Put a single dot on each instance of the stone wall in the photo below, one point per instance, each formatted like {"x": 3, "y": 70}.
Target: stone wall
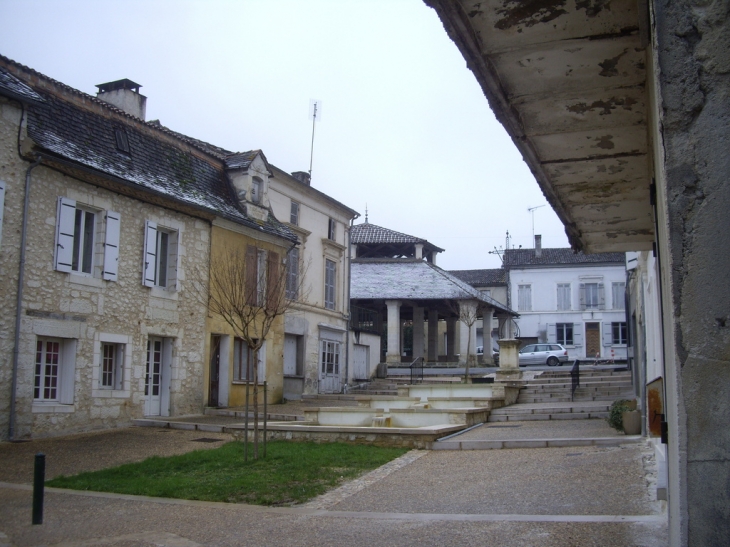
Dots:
{"x": 693, "y": 79}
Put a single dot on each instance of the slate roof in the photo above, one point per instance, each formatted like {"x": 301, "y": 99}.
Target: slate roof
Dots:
{"x": 370, "y": 233}
{"x": 482, "y": 278}
{"x": 410, "y": 279}
{"x": 86, "y": 137}
{"x": 14, "y": 88}
{"x": 558, "y": 257}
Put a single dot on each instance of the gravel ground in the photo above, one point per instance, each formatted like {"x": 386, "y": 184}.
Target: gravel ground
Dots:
{"x": 542, "y": 429}
{"x": 540, "y": 481}
{"x": 91, "y": 451}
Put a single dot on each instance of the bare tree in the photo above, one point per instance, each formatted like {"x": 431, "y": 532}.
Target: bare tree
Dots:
{"x": 247, "y": 287}
{"x": 468, "y": 314}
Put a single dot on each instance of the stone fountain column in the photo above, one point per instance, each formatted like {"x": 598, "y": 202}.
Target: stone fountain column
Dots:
{"x": 394, "y": 326}
{"x": 509, "y": 361}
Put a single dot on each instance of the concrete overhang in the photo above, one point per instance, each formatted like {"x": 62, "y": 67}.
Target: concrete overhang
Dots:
{"x": 567, "y": 80}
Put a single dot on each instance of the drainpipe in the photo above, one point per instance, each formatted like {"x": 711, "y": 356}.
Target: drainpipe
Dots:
{"x": 19, "y": 302}
{"x": 348, "y": 259}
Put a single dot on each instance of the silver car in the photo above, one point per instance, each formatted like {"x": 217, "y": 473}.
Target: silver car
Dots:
{"x": 543, "y": 354}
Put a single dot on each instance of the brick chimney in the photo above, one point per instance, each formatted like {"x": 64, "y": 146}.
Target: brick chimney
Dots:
{"x": 538, "y": 246}
{"x": 125, "y": 95}
{"x": 303, "y": 177}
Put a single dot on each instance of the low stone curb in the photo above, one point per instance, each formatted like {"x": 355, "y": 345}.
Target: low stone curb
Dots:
{"x": 534, "y": 443}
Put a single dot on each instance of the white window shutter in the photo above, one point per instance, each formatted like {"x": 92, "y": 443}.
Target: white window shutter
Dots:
{"x": 150, "y": 254}
{"x": 111, "y": 246}
{"x": 166, "y": 376}
{"x": 65, "y": 220}
{"x": 552, "y": 333}
{"x": 607, "y": 334}
{"x": 582, "y": 296}
{"x": 119, "y": 367}
{"x": 173, "y": 261}
{"x": 67, "y": 372}
{"x": 577, "y": 334}
{"x": 601, "y": 297}
{"x": 2, "y": 208}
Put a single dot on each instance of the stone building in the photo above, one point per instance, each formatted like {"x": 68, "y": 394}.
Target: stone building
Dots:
{"x": 318, "y": 349}
{"x": 106, "y": 225}
{"x": 620, "y": 109}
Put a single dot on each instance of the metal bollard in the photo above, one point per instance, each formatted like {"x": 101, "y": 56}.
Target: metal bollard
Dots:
{"x": 39, "y": 478}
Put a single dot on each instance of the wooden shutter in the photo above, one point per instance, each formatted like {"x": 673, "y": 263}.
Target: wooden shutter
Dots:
{"x": 173, "y": 259}
{"x": 111, "y": 246}
{"x": 582, "y": 296}
{"x": 601, "y": 297}
{"x": 119, "y": 366}
{"x": 165, "y": 376}
{"x": 273, "y": 281}
{"x": 2, "y": 208}
{"x": 67, "y": 372}
{"x": 150, "y": 254}
{"x": 607, "y": 334}
{"x": 65, "y": 221}
{"x": 251, "y": 275}
{"x": 577, "y": 334}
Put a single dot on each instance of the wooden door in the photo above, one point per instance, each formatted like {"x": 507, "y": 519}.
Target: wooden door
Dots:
{"x": 593, "y": 340}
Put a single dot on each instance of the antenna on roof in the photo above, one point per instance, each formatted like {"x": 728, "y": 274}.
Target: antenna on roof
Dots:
{"x": 366, "y": 213}
{"x": 531, "y": 210}
{"x": 315, "y": 109}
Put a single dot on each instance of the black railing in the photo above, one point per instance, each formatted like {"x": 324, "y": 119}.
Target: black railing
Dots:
{"x": 574, "y": 378}
{"x": 417, "y": 370}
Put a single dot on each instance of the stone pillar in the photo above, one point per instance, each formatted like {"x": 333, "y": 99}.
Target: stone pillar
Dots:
{"x": 487, "y": 320}
{"x": 451, "y": 339}
{"x": 417, "y": 332}
{"x": 467, "y": 351}
{"x": 433, "y": 336}
{"x": 393, "y": 355}
{"x": 509, "y": 363}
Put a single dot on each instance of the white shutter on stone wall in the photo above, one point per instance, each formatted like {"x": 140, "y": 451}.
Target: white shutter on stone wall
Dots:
{"x": 111, "y": 246}
{"x": 65, "y": 220}
{"x": 607, "y": 334}
{"x": 173, "y": 261}
{"x": 601, "y": 297}
{"x": 67, "y": 372}
{"x": 2, "y": 208}
{"x": 582, "y": 296}
{"x": 150, "y": 254}
{"x": 577, "y": 334}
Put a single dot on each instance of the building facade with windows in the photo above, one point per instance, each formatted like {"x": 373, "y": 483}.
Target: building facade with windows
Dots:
{"x": 572, "y": 299}
{"x": 106, "y": 226}
{"x": 319, "y": 353}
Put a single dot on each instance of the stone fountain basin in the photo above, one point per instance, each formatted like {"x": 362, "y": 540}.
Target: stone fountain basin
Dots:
{"x": 386, "y": 403}
{"x": 399, "y": 417}
{"x": 477, "y": 391}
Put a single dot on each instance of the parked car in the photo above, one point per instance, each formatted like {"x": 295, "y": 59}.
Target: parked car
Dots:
{"x": 495, "y": 354}
{"x": 543, "y": 354}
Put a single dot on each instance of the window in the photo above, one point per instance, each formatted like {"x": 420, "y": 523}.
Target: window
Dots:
{"x": 331, "y": 231}
{"x": 592, "y": 296}
{"x": 161, "y": 256}
{"x": 564, "y": 334}
{"x": 243, "y": 359}
{"x": 77, "y": 249}
{"x": 330, "y": 282}
{"x": 112, "y": 365}
{"x": 120, "y": 136}
{"x": 54, "y": 370}
{"x": 292, "y": 274}
{"x": 619, "y": 292}
{"x": 330, "y": 358}
{"x": 256, "y": 190}
{"x": 563, "y": 297}
{"x": 620, "y": 334}
{"x": 294, "y": 213}
{"x": 524, "y": 298}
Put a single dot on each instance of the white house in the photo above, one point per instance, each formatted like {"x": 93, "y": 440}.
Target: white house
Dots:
{"x": 569, "y": 298}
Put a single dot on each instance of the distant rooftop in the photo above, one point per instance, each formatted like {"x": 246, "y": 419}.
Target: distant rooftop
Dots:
{"x": 559, "y": 256}
{"x": 482, "y": 278}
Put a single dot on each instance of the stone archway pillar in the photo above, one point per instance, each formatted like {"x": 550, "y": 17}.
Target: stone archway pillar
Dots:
{"x": 451, "y": 339}
{"x": 418, "y": 332}
{"x": 394, "y": 331}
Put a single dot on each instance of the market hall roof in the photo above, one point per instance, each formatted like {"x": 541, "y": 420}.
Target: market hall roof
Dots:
{"x": 372, "y": 235}
{"x": 407, "y": 279}
{"x": 80, "y": 134}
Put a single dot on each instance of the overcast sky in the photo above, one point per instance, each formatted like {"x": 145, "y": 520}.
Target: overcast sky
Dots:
{"x": 405, "y": 130}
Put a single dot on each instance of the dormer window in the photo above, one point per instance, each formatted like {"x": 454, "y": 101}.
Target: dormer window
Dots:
{"x": 256, "y": 190}
{"x": 120, "y": 136}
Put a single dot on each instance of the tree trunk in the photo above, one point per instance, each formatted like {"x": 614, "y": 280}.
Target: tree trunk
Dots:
{"x": 256, "y": 404}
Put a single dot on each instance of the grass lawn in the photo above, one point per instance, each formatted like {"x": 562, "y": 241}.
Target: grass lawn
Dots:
{"x": 291, "y": 473}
